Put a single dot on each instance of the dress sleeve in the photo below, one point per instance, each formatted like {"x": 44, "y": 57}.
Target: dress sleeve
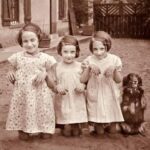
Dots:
{"x": 13, "y": 60}
{"x": 118, "y": 63}
{"x": 49, "y": 62}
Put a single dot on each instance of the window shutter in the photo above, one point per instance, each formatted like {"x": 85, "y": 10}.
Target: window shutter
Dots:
{"x": 61, "y": 9}
{"x": 27, "y": 11}
{"x": 6, "y": 12}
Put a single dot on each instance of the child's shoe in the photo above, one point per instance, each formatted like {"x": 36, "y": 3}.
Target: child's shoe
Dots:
{"x": 23, "y": 136}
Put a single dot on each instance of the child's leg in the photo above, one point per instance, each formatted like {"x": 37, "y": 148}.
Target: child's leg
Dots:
{"x": 126, "y": 128}
{"x": 76, "y": 130}
{"x": 113, "y": 128}
{"x": 99, "y": 128}
{"x": 23, "y": 135}
{"x": 66, "y": 130}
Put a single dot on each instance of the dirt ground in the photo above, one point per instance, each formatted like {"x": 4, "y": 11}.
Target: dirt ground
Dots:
{"x": 135, "y": 55}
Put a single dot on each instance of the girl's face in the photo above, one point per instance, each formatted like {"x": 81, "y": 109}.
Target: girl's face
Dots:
{"x": 99, "y": 49}
{"x": 68, "y": 53}
{"x": 30, "y": 42}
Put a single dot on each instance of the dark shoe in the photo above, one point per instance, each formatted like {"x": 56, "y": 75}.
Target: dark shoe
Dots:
{"x": 23, "y": 136}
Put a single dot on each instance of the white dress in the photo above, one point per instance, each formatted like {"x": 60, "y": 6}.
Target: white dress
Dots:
{"x": 70, "y": 108}
{"x": 31, "y": 108}
{"x": 103, "y": 93}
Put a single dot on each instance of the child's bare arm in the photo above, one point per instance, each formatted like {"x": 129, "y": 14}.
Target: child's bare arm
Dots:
{"x": 50, "y": 82}
{"x": 50, "y": 78}
{"x": 11, "y": 75}
{"x": 85, "y": 75}
{"x": 40, "y": 77}
{"x": 117, "y": 76}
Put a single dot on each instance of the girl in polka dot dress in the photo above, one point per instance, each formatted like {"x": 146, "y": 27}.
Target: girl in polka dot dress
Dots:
{"x": 31, "y": 107}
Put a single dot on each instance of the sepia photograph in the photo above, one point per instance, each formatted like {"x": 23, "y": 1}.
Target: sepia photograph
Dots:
{"x": 74, "y": 74}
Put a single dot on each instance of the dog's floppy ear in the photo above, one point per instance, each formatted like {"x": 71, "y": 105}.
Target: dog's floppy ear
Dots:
{"x": 125, "y": 81}
{"x": 139, "y": 80}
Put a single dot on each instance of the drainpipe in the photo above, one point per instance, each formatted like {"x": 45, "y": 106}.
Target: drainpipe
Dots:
{"x": 50, "y": 16}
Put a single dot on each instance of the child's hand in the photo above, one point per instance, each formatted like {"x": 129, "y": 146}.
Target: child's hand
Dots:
{"x": 80, "y": 88}
{"x": 132, "y": 108}
{"x": 40, "y": 78}
{"x": 95, "y": 69}
{"x": 61, "y": 90}
{"x": 85, "y": 65}
{"x": 11, "y": 77}
{"x": 109, "y": 72}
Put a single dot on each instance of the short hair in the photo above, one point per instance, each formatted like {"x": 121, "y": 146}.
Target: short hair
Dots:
{"x": 29, "y": 27}
{"x": 103, "y": 37}
{"x": 68, "y": 40}
{"x": 129, "y": 77}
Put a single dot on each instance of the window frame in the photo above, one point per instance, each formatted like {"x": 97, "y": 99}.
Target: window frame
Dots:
{"x": 10, "y": 13}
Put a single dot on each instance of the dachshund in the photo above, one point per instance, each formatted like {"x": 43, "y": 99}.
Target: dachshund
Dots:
{"x": 133, "y": 105}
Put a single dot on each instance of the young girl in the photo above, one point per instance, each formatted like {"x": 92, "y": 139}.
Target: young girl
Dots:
{"x": 102, "y": 73}
{"x": 31, "y": 107}
{"x": 70, "y": 99}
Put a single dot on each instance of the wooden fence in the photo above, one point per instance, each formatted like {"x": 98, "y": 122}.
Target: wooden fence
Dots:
{"x": 122, "y": 20}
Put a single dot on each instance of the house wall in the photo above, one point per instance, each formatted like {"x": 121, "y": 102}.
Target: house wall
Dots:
{"x": 0, "y": 13}
{"x": 54, "y": 15}
{"x": 8, "y": 34}
{"x": 40, "y": 14}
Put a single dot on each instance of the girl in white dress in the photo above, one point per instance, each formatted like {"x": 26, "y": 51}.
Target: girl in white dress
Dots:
{"x": 31, "y": 107}
{"x": 102, "y": 73}
{"x": 70, "y": 103}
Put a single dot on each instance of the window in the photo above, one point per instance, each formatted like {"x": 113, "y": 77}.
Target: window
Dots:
{"x": 10, "y": 12}
{"x": 63, "y": 9}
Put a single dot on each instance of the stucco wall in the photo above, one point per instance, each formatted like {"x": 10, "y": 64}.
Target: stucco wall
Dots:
{"x": 40, "y": 14}
{"x": 8, "y": 34}
{"x": 0, "y": 13}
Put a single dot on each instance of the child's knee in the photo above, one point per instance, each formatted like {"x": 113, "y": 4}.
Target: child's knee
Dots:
{"x": 99, "y": 128}
{"x": 76, "y": 130}
{"x": 113, "y": 128}
{"x": 66, "y": 130}
{"x": 126, "y": 128}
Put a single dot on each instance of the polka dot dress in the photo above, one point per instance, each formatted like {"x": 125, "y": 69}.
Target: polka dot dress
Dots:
{"x": 31, "y": 107}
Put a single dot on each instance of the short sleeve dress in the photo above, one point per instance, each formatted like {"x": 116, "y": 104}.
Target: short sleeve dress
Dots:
{"x": 70, "y": 108}
{"x": 103, "y": 94}
{"x": 31, "y": 108}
